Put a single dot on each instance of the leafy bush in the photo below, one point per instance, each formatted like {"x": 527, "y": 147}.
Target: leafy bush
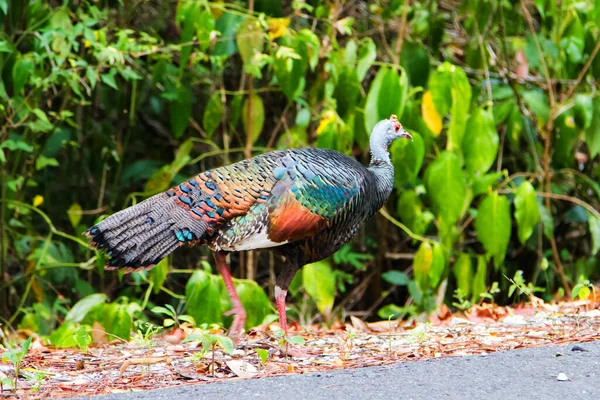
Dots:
{"x": 106, "y": 103}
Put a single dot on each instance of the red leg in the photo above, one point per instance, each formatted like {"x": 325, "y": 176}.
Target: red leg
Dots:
{"x": 280, "y": 301}
{"x": 239, "y": 318}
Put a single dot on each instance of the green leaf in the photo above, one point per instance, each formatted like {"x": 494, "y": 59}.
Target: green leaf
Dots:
{"x": 539, "y": 104}
{"x": 74, "y": 213}
{"x": 527, "y": 213}
{"x": 429, "y": 265}
{"x": 446, "y": 187}
{"x": 592, "y": 135}
{"x": 4, "y": 6}
{"x": 298, "y": 340}
{"x": 407, "y": 157}
{"x": 347, "y": 91}
{"x": 547, "y": 222}
{"x": 438, "y": 266}
{"x": 411, "y": 213}
{"x": 387, "y": 96}
{"x": 397, "y": 278}
{"x": 117, "y": 320}
{"x": 213, "y": 114}
{"x": 226, "y": 344}
{"x": 83, "y": 306}
{"x": 461, "y": 101}
{"x": 480, "y": 142}
{"x": 22, "y": 72}
{"x": 479, "y": 285}
{"x": 82, "y": 338}
{"x": 180, "y": 111}
{"x": 42, "y": 162}
{"x": 158, "y": 275}
{"x": 493, "y": 226}
{"x": 463, "y": 272}
{"x": 5, "y": 46}
{"x": 290, "y": 66}
{"x": 367, "y": 53}
{"x": 13, "y": 145}
{"x": 187, "y": 14}
{"x": 250, "y": 39}
{"x": 203, "y": 298}
{"x": 594, "y": 224}
{"x": 319, "y": 283}
{"x": 263, "y": 355}
{"x": 255, "y": 301}
{"x": 109, "y": 78}
{"x": 257, "y": 117}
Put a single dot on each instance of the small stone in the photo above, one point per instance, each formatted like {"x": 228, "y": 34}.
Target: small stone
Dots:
{"x": 562, "y": 377}
{"x": 578, "y": 348}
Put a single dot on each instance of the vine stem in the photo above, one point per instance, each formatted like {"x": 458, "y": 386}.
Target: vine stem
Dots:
{"x": 400, "y": 225}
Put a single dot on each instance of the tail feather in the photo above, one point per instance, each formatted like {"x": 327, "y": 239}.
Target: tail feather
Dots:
{"x": 140, "y": 236}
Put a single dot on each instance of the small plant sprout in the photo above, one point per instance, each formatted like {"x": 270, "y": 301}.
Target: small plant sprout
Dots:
{"x": 286, "y": 340}
{"x": 583, "y": 289}
{"x": 263, "y": 356}
{"x": 82, "y": 338}
{"x": 174, "y": 319}
{"x": 16, "y": 356}
{"x": 462, "y": 303}
{"x": 494, "y": 289}
{"x": 209, "y": 343}
{"x": 518, "y": 282}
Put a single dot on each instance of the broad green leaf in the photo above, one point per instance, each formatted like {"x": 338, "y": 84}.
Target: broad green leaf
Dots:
{"x": 422, "y": 264}
{"x": 390, "y": 311}
{"x": 592, "y": 135}
{"x": 407, "y": 157}
{"x": 387, "y": 96}
{"x": 180, "y": 111}
{"x": 547, "y": 221}
{"x": 225, "y": 343}
{"x": 446, "y": 187}
{"x": 64, "y": 336}
{"x": 313, "y": 46}
{"x": 347, "y": 91}
{"x": 438, "y": 266}
{"x": 480, "y": 142}
{"x": 22, "y": 71}
{"x": 463, "y": 272}
{"x": 539, "y": 104}
{"x": 483, "y": 183}
{"x": 290, "y": 66}
{"x": 227, "y": 25}
{"x": 367, "y": 53}
{"x": 594, "y": 224}
{"x": 250, "y": 39}
{"x": 461, "y": 101}
{"x": 74, "y": 213}
{"x": 117, "y": 321}
{"x": 527, "y": 213}
{"x": 493, "y": 226}
{"x": 255, "y": 301}
{"x": 429, "y": 266}
{"x": 213, "y": 114}
{"x": 410, "y": 210}
{"x": 109, "y": 78}
{"x": 319, "y": 283}
{"x": 479, "y": 280}
{"x": 158, "y": 275}
{"x": 583, "y": 111}
{"x": 42, "y": 162}
{"x": 78, "y": 312}
{"x": 565, "y": 138}
{"x": 257, "y": 116}
{"x": 203, "y": 298}
{"x": 394, "y": 277}
{"x": 430, "y": 115}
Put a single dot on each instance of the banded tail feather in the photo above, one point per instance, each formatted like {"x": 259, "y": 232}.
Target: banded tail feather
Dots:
{"x": 142, "y": 235}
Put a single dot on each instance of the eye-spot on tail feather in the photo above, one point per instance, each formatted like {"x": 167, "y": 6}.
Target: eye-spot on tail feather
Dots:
{"x": 140, "y": 236}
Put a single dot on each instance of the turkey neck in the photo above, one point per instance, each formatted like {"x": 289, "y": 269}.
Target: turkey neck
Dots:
{"x": 382, "y": 170}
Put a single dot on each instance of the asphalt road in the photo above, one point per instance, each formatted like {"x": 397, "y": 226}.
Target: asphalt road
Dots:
{"x": 520, "y": 374}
